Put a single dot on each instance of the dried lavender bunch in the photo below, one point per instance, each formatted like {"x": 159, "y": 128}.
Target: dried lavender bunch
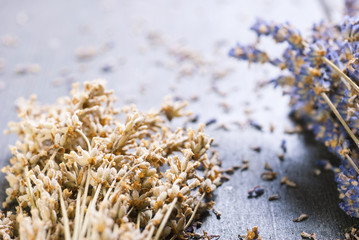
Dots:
{"x": 321, "y": 77}
{"x": 83, "y": 170}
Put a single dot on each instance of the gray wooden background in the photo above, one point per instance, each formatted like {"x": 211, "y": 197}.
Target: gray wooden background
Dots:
{"x": 148, "y": 49}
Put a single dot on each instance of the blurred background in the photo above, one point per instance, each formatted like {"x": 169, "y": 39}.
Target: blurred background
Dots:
{"x": 149, "y": 49}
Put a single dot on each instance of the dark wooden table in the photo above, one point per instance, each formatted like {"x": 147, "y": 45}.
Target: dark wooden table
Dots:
{"x": 148, "y": 49}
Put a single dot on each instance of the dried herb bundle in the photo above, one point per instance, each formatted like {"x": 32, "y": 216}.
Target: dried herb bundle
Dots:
{"x": 83, "y": 170}
{"x": 320, "y": 74}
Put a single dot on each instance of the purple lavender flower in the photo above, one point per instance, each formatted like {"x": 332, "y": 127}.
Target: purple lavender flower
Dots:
{"x": 323, "y": 74}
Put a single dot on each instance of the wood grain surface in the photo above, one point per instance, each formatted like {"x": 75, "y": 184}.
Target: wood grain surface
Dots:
{"x": 149, "y": 49}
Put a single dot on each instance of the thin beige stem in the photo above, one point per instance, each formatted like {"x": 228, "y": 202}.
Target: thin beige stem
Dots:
{"x": 124, "y": 177}
{"x": 337, "y": 114}
{"x": 337, "y": 69}
{"x": 29, "y": 188}
{"x": 64, "y": 215}
{"x": 119, "y": 183}
{"x": 350, "y": 160}
{"x": 76, "y": 168}
{"x": 165, "y": 219}
{"x": 48, "y": 234}
{"x": 88, "y": 233}
{"x": 48, "y": 162}
{"x": 85, "y": 138}
{"x": 129, "y": 212}
{"x": 194, "y": 212}
{"x": 192, "y": 216}
{"x": 345, "y": 125}
{"x": 90, "y": 208}
{"x": 83, "y": 205}
{"x": 77, "y": 217}
{"x": 333, "y": 108}
{"x": 120, "y": 142}
{"x": 115, "y": 228}
{"x": 341, "y": 73}
{"x": 152, "y": 229}
{"x": 138, "y": 220}
{"x": 93, "y": 234}
{"x": 111, "y": 187}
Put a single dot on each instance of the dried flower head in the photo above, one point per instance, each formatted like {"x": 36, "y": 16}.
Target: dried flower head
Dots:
{"x": 83, "y": 169}
{"x": 251, "y": 235}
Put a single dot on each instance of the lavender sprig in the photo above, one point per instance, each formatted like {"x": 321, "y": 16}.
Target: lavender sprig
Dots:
{"x": 322, "y": 79}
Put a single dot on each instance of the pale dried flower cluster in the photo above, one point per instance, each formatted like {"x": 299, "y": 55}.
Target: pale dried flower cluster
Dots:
{"x": 83, "y": 170}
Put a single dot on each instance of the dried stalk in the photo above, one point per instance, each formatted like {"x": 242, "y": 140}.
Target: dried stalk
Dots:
{"x": 165, "y": 219}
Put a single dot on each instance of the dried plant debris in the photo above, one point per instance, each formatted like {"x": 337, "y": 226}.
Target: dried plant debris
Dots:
{"x": 317, "y": 171}
{"x": 248, "y": 111}
{"x": 301, "y": 218}
{"x": 32, "y": 68}
{"x": 222, "y": 73}
{"x": 255, "y": 192}
{"x": 174, "y": 109}
{"x": 9, "y": 40}
{"x": 325, "y": 164}
{"x": 155, "y": 38}
{"x": 283, "y": 146}
{"x": 268, "y": 167}
{"x": 245, "y": 165}
{"x": 186, "y": 54}
{"x": 271, "y": 127}
{"x": 217, "y": 213}
{"x": 191, "y": 233}
{"x": 256, "y": 149}
{"x": 223, "y": 127}
{"x": 107, "y": 67}
{"x": 187, "y": 61}
{"x": 86, "y": 52}
{"x": 231, "y": 169}
{"x": 211, "y": 121}
{"x": 311, "y": 236}
{"x": 268, "y": 175}
{"x": 274, "y": 197}
{"x": 204, "y": 236}
{"x": 194, "y": 98}
{"x": 217, "y": 91}
{"x": 255, "y": 125}
{"x": 226, "y": 108}
{"x": 289, "y": 183}
{"x": 296, "y": 129}
{"x": 239, "y": 124}
{"x": 57, "y": 82}
{"x": 82, "y": 169}
{"x": 352, "y": 234}
{"x": 194, "y": 119}
{"x": 251, "y": 235}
